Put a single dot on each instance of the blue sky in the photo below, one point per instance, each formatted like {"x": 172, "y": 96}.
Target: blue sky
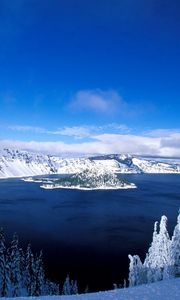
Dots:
{"x": 95, "y": 76}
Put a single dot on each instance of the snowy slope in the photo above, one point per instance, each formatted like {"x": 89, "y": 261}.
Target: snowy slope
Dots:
{"x": 165, "y": 290}
{"x": 14, "y": 163}
{"x": 155, "y": 166}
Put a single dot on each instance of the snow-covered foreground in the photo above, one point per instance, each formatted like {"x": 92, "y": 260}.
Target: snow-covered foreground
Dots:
{"x": 15, "y": 163}
{"x": 162, "y": 290}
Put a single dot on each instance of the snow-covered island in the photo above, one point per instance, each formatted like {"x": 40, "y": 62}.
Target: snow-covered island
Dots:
{"x": 90, "y": 179}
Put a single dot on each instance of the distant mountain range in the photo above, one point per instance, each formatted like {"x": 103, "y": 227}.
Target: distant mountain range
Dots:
{"x": 16, "y": 163}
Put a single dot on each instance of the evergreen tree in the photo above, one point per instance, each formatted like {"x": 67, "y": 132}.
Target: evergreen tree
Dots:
{"x": 86, "y": 290}
{"x": 51, "y": 288}
{"x": 7, "y": 282}
{"x": 159, "y": 254}
{"x": 55, "y": 288}
{"x": 4, "y": 268}
{"x": 136, "y": 271}
{"x": 47, "y": 288}
{"x": 30, "y": 272}
{"x": 163, "y": 258}
{"x": 23, "y": 273}
{"x": 39, "y": 273}
{"x": 168, "y": 272}
{"x": 151, "y": 270}
{"x": 2, "y": 261}
{"x": 117, "y": 286}
{"x": 175, "y": 247}
{"x": 124, "y": 284}
{"x": 74, "y": 287}
{"x": 67, "y": 286}
{"x": 14, "y": 263}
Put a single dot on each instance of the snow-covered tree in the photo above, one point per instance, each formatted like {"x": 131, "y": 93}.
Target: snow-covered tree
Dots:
{"x": 175, "y": 247}
{"x": 51, "y": 288}
{"x": 86, "y": 290}
{"x": 66, "y": 286}
{"x": 159, "y": 256}
{"x": 136, "y": 271}
{"x": 30, "y": 271}
{"x": 23, "y": 272}
{"x": 4, "y": 268}
{"x": 163, "y": 258}
{"x": 14, "y": 263}
{"x": 74, "y": 287}
{"x": 70, "y": 287}
{"x": 23, "y": 275}
{"x": 39, "y": 276}
{"x": 2, "y": 261}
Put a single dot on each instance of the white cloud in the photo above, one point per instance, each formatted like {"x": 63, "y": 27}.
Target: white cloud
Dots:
{"x": 107, "y": 138}
{"x": 25, "y": 128}
{"x": 98, "y": 100}
{"x": 171, "y": 142}
{"x": 162, "y": 132}
{"x": 76, "y": 131}
{"x": 118, "y": 127}
{"x": 73, "y": 131}
{"x": 107, "y": 143}
{"x": 119, "y": 143}
{"x": 107, "y": 102}
{"x": 51, "y": 147}
{"x": 90, "y": 130}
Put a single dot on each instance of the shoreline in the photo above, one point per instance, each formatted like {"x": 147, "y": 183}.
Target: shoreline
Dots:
{"x": 49, "y": 174}
{"x": 133, "y": 186}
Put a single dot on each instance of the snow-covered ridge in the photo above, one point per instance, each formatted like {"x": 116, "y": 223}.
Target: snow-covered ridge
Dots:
{"x": 15, "y": 163}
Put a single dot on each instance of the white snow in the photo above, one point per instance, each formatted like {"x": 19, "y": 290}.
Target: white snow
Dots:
{"x": 103, "y": 187}
{"x": 162, "y": 260}
{"x": 162, "y": 290}
{"x": 151, "y": 166}
{"x": 14, "y": 163}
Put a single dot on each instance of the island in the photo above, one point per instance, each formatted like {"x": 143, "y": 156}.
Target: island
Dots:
{"x": 90, "y": 179}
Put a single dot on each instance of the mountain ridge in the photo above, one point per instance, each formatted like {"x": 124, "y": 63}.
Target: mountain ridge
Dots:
{"x": 17, "y": 163}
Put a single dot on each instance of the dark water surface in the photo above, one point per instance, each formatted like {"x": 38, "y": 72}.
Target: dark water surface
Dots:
{"x": 88, "y": 234}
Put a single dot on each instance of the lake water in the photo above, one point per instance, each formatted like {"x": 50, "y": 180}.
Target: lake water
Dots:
{"x": 88, "y": 234}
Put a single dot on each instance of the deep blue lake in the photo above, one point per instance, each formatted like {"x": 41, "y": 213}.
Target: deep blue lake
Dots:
{"x": 88, "y": 234}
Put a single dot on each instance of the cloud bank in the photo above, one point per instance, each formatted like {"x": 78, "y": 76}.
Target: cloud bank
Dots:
{"x": 167, "y": 146}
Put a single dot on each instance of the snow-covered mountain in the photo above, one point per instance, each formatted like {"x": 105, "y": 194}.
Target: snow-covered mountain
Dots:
{"x": 15, "y": 163}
